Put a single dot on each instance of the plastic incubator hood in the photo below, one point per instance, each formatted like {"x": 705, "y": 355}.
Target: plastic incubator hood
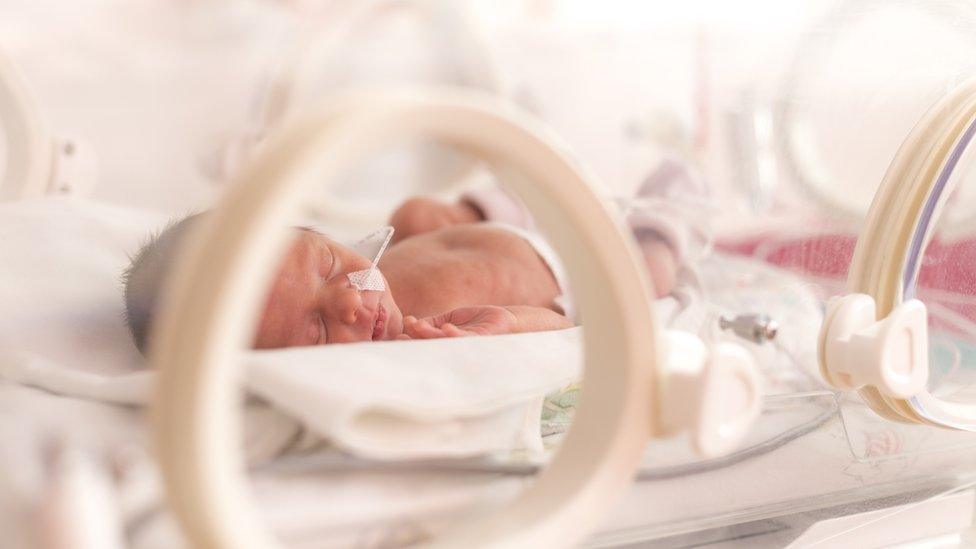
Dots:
{"x": 630, "y": 394}
{"x": 458, "y": 40}
{"x": 798, "y": 146}
{"x": 36, "y": 162}
{"x": 876, "y": 340}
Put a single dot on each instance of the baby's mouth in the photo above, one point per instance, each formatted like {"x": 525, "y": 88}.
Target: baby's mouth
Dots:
{"x": 379, "y": 325}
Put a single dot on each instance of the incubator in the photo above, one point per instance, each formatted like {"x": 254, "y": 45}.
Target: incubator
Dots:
{"x": 806, "y": 381}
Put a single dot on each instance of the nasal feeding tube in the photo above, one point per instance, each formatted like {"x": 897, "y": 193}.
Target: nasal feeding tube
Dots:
{"x": 370, "y": 278}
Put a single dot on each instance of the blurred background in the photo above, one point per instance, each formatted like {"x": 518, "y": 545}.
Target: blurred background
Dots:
{"x": 798, "y": 103}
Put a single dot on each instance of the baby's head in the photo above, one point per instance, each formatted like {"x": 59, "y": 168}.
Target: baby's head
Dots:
{"x": 311, "y": 301}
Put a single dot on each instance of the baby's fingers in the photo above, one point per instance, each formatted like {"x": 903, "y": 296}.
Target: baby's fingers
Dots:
{"x": 412, "y": 327}
{"x": 453, "y": 331}
{"x": 423, "y": 329}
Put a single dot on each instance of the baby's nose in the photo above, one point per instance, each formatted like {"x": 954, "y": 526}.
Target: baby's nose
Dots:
{"x": 349, "y": 304}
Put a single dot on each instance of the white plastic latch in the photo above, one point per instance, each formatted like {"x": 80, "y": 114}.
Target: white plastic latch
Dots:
{"x": 890, "y": 354}
{"x": 75, "y": 168}
{"x": 714, "y": 393}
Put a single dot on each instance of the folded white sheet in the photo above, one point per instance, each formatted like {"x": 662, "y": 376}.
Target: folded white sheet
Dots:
{"x": 406, "y": 399}
{"x": 392, "y": 400}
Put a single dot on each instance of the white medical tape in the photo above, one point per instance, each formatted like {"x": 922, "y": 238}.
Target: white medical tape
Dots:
{"x": 370, "y": 278}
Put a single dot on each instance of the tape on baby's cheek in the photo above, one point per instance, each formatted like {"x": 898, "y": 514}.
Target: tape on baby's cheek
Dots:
{"x": 374, "y": 244}
{"x": 368, "y": 279}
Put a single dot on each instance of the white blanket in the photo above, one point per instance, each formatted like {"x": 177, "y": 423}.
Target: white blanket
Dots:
{"x": 407, "y": 399}
{"x": 393, "y": 400}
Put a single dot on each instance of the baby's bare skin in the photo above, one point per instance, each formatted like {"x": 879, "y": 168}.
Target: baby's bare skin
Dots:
{"x": 464, "y": 266}
{"x": 447, "y": 276}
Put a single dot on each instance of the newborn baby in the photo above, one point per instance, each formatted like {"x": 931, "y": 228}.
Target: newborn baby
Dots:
{"x": 473, "y": 267}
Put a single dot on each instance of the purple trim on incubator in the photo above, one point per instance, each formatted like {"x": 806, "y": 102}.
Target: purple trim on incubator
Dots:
{"x": 915, "y": 253}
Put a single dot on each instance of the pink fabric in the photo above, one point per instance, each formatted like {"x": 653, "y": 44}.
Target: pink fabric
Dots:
{"x": 827, "y": 255}
{"x": 947, "y": 276}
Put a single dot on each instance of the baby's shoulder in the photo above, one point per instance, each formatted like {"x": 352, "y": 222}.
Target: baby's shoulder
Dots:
{"x": 482, "y": 236}
{"x": 465, "y": 243}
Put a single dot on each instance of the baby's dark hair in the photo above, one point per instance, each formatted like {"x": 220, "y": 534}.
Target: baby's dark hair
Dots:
{"x": 143, "y": 279}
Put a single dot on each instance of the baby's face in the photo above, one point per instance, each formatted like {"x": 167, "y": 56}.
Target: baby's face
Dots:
{"x": 313, "y": 303}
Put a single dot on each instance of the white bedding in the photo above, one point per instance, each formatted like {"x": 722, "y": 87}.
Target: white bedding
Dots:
{"x": 392, "y": 400}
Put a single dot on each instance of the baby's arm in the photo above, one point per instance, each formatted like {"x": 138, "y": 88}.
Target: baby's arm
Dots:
{"x": 484, "y": 320}
{"x": 421, "y": 214}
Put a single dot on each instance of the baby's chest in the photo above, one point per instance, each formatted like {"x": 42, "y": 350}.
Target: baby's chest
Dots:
{"x": 472, "y": 266}
{"x": 504, "y": 270}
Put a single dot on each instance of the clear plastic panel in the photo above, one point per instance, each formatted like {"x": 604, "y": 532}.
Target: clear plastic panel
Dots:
{"x": 861, "y": 76}
{"x": 809, "y": 139}
{"x": 393, "y": 44}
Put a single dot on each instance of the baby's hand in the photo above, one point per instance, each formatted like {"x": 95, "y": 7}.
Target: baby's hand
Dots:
{"x": 466, "y": 321}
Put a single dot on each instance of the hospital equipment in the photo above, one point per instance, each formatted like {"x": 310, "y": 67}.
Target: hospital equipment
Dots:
{"x": 880, "y": 334}
{"x": 36, "y": 162}
{"x": 756, "y": 328}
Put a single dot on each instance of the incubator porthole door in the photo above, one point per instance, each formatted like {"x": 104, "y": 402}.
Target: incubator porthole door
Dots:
{"x": 912, "y": 352}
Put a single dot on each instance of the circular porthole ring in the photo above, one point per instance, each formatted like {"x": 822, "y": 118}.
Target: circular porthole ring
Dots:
{"x": 893, "y": 231}
{"x": 214, "y": 294}
{"x": 30, "y": 154}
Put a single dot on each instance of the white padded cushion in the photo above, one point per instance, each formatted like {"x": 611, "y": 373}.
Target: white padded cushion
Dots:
{"x": 60, "y": 286}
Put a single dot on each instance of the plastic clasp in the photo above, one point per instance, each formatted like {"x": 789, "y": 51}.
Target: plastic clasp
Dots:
{"x": 75, "y": 168}
{"x": 714, "y": 393}
{"x": 890, "y": 354}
